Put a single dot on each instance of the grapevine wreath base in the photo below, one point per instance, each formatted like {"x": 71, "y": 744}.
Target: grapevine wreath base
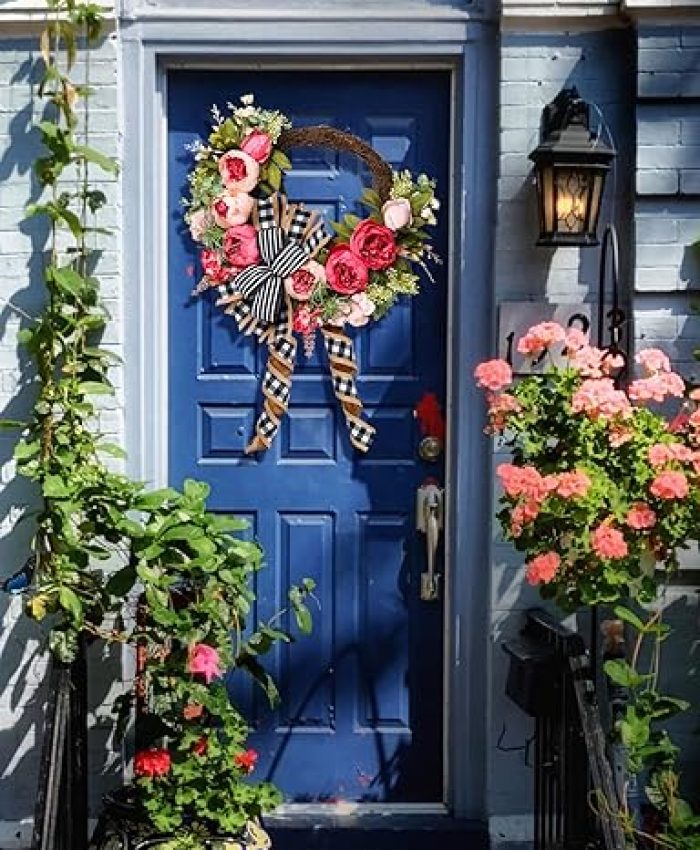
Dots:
{"x": 281, "y": 273}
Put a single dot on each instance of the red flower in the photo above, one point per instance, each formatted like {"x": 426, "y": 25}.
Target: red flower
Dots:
{"x": 305, "y": 320}
{"x": 258, "y": 145}
{"x": 241, "y": 245}
{"x": 152, "y": 763}
{"x": 374, "y": 244}
{"x": 246, "y": 760}
{"x": 199, "y": 747}
{"x": 213, "y": 268}
{"x": 346, "y": 272}
{"x": 192, "y": 711}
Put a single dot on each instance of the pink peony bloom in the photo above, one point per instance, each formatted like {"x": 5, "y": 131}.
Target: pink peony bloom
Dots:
{"x": 306, "y": 320}
{"x": 397, "y": 213}
{"x": 598, "y": 398}
{"x": 572, "y": 485}
{"x": 539, "y": 337}
{"x": 213, "y": 267}
{"x": 493, "y": 374}
{"x": 231, "y": 209}
{"x": 640, "y": 516}
{"x": 609, "y": 542}
{"x": 239, "y": 171}
{"x": 361, "y": 309}
{"x": 653, "y": 361}
{"x": 203, "y": 660}
{"x": 258, "y": 145}
{"x": 346, "y": 272}
{"x": 200, "y": 220}
{"x": 657, "y": 387}
{"x": 543, "y": 568}
{"x": 374, "y": 244}
{"x": 241, "y": 245}
{"x": 301, "y": 284}
{"x": 670, "y": 485}
{"x": 662, "y": 453}
{"x": 501, "y": 405}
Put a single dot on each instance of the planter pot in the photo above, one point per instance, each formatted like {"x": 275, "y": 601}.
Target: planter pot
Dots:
{"x": 124, "y": 825}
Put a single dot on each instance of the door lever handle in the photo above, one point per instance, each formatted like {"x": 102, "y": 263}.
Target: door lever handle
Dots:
{"x": 430, "y": 520}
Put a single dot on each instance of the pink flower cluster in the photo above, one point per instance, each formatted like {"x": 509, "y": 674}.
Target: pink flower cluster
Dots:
{"x": 660, "y": 382}
{"x": 541, "y": 337}
{"x": 608, "y": 542}
{"x": 662, "y": 453}
{"x": 501, "y": 405}
{"x": 640, "y": 516}
{"x": 523, "y": 481}
{"x": 543, "y": 568}
{"x": 670, "y": 485}
{"x": 599, "y": 399}
{"x": 203, "y": 660}
{"x": 493, "y": 375}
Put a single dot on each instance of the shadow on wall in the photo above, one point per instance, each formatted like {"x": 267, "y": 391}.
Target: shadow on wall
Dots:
{"x": 23, "y": 663}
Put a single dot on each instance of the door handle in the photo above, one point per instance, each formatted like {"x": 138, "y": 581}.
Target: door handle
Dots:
{"x": 430, "y": 512}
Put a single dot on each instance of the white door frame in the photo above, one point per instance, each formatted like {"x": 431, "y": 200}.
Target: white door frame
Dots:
{"x": 425, "y": 36}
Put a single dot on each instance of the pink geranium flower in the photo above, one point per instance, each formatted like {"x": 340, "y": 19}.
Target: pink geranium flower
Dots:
{"x": 543, "y": 568}
{"x": 493, "y": 374}
{"x": 608, "y": 542}
{"x": 501, "y": 405}
{"x": 523, "y": 481}
{"x": 540, "y": 337}
{"x": 204, "y": 661}
{"x": 657, "y": 387}
{"x": 670, "y": 485}
{"x": 662, "y": 453}
{"x": 598, "y": 398}
{"x": 640, "y": 516}
{"x": 572, "y": 485}
{"x": 653, "y": 361}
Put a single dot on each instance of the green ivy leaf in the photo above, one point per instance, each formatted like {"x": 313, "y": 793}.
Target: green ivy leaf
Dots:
{"x": 106, "y": 163}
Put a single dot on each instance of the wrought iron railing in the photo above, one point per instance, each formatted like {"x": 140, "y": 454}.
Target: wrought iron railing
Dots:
{"x": 61, "y": 815}
{"x": 576, "y": 802}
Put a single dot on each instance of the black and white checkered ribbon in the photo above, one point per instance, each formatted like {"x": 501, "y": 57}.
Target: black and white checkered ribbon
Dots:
{"x": 283, "y": 251}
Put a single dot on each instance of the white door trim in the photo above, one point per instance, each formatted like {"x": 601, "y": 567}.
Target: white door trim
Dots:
{"x": 469, "y": 49}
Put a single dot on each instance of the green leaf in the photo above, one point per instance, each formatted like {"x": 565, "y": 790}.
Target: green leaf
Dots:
{"x": 71, "y": 602}
{"x": 629, "y": 617}
{"x": 198, "y": 491}
{"x": 95, "y": 388}
{"x": 55, "y": 488}
{"x": 274, "y": 176}
{"x": 106, "y": 163}
{"x": 280, "y": 158}
{"x": 121, "y": 582}
{"x": 11, "y": 424}
{"x": 156, "y": 499}
{"x": 112, "y": 449}
{"x": 67, "y": 278}
{"x": 620, "y": 672}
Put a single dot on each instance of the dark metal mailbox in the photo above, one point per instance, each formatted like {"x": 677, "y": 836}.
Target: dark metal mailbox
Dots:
{"x": 531, "y": 675}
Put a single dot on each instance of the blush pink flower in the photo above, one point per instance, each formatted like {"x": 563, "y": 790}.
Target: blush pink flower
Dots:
{"x": 396, "y": 213}
{"x": 241, "y": 245}
{"x": 670, "y": 485}
{"x": 501, "y": 406}
{"x": 653, "y": 361}
{"x": 540, "y": 337}
{"x": 493, "y": 375}
{"x": 232, "y": 208}
{"x": 608, "y": 542}
{"x": 662, "y": 453}
{"x": 695, "y": 394}
{"x": 204, "y": 661}
{"x": 572, "y": 485}
{"x": 598, "y": 398}
{"x": 199, "y": 222}
{"x": 258, "y": 145}
{"x": 301, "y": 283}
{"x": 658, "y": 387}
{"x": 575, "y": 339}
{"x": 239, "y": 171}
{"x": 543, "y": 568}
{"x": 523, "y": 481}
{"x": 640, "y": 516}
{"x": 522, "y": 514}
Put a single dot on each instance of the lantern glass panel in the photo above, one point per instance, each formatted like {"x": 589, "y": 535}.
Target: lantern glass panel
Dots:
{"x": 546, "y": 187}
{"x": 572, "y": 196}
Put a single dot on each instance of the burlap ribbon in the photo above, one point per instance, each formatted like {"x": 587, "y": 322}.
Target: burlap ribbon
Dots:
{"x": 288, "y": 236}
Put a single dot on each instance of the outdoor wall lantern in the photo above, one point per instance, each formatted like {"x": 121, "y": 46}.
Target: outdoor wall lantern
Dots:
{"x": 571, "y": 164}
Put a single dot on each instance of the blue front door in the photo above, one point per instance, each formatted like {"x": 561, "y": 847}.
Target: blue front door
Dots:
{"x": 361, "y": 717}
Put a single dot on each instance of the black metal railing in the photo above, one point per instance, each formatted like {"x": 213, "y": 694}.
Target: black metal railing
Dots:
{"x": 60, "y": 815}
{"x": 576, "y": 803}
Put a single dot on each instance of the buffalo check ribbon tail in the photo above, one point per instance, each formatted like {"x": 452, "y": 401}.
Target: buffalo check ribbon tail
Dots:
{"x": 343, "y": 366}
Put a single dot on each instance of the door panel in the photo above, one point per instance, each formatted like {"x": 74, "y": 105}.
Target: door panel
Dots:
{"x": 362, "y": 702}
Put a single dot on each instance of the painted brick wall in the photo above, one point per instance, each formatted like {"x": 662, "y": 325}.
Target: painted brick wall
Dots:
{"x": 534, "y": 68}
{"x": 22, "y": 664}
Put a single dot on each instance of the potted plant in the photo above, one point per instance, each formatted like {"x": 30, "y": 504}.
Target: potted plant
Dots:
{"x": 601, "y": 495}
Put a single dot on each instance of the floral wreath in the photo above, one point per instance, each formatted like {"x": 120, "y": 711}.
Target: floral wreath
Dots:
{"x": 276, "y": 267}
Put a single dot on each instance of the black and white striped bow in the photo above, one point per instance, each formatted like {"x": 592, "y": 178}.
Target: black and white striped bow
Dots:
{"x": 283, "y": 251}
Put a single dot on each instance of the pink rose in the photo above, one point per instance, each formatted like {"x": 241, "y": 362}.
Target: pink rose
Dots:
{"x": 302, "y": 282}
{"x": 258, "y": 145}
{"x": 199, "y": 222}
{"x": 640, "y": 516}
{"x": 374, "y": 244}
{"x": 241, "y": 245}
{"x": 543, "y": 568}
{"x": 493, "y": 374}
{"x": 239, "y": 171}
{"x": 231, "y": 209}
{"x": 609, "y": 543}
{"x": 346, "y": 272}
{"x": 670, "y": 485}
{"x": 397, "y": 213}
{"x": 213, "y": 267}
{"x": 305, "y": 320}
{"x": 204, "y": 660}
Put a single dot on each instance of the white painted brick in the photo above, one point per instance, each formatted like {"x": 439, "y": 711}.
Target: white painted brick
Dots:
{"x": 658, "y": 182}
{"x": 690, "y": 182}
{"x": 651, "y": 256}
{"x": 656, "y": 230}
{"x": 659, "y": 132}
